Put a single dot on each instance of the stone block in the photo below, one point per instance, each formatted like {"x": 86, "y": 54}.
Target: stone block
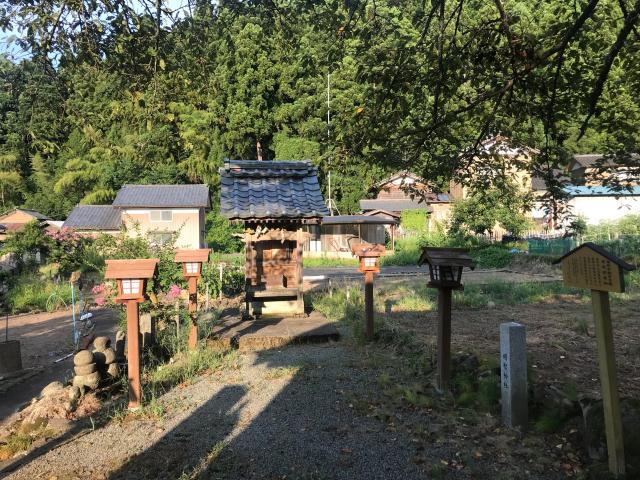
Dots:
{"x": 10, "y": 356}
{"x": 513, "y": 371}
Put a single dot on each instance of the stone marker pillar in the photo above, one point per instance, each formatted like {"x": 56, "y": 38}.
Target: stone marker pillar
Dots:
{"x": 513, "y": 368}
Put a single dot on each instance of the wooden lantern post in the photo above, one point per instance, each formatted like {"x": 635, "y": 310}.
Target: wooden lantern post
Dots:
{"x": 445, "y": 272}
{"x": 192, "y": 261}
{"x": 590, "y": 266}
{"x": 369, "y": 255}
{"x": 131, "y": 275}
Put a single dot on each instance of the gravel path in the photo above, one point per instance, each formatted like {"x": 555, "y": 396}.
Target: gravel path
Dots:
{"x": 283, "y": 414}
{"x": 309, "y": 412}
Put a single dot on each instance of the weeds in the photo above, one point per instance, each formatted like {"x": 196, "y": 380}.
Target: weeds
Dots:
{"x": 23, "y": 437}
{"x": 188, "y": 365}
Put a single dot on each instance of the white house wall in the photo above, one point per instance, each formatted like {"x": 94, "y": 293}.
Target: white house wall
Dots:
{"x": 599, "y": 208}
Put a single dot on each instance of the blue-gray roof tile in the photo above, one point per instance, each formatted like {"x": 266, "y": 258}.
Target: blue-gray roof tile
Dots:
{"x": 163, "y": 196}
{"x": 93, "y": 217}
{"x": 253, "y": 190}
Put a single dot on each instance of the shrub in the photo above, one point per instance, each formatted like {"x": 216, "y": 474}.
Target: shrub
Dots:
{"x": 232, "y": 279}
{"x": 492, "y": 256}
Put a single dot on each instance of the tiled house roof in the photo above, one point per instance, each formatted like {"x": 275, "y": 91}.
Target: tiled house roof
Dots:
{"x": 163, "y": 196}
{"x": 93, "y": 217}
{"x": 253, "y": 189}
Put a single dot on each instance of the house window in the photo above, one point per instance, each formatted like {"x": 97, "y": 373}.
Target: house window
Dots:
{"x": 160, "y": 238}
{"x": 161, "y": 215}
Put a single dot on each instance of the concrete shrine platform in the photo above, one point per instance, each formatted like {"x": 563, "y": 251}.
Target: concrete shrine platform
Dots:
{"x": 272, "y": 332}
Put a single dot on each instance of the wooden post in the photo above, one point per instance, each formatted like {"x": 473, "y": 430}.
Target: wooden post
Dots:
{"x": 609, "y": 381}
{"x": 444, "y": 338}
{"x": 133, "y": 355}
{"x": 393, "y": 237}
{"x": 368, "y": 304}
{"x": 220, "y": 268}
{"x": 193, "y": 307}
{"x": 299, "y": 272}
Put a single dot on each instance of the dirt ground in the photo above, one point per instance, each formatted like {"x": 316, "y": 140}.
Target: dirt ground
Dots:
{"x": 44, "y": 338}
{"x": 560, "y": 340}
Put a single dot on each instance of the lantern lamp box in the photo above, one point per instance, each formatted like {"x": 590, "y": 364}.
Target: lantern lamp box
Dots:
{"x": 446, "y": 265}
{"x": 369, "y": 256}
{"x": 192, "y": 261}
{"x": 590, "y": 266}
{"x": 131, "y": 275}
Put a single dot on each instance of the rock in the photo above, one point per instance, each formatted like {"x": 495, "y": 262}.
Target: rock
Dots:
{"x": 85, "y": 369}
{"x": 83, "y": 357}
{"x": 74, "y": 393}
{"x": 101, "y": 343}
{"x": 465, "y": 363}
{"x": 52, "y": 389}
{"x": 109, "y": 355}
{"x": 90, "y": 381}
{"x": 594, "y": 435}
{"x": 113, "y": 371}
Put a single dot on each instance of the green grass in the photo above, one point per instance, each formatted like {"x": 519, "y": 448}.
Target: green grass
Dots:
{"x": 416, "y": 297}
{"x": 29, "y": 293}
{"x": 188, "y": 365}
{"x": 322, "y": 262}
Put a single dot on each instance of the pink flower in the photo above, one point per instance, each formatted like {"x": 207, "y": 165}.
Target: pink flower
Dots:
{"x": 98, "y": 289}
{"x": 100, "y": 301}
{"x": 174, "y": 291}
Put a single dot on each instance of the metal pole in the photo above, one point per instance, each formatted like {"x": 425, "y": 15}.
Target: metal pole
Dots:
{"x": 133, "y": 355}
{"x": 368, "y": 304}
{"x": 73, "y": 316}
{"x": 444, "y": 338}
{"x": 193, "y": 306}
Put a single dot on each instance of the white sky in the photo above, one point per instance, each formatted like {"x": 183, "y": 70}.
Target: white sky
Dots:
{"x": 13, "y": 52}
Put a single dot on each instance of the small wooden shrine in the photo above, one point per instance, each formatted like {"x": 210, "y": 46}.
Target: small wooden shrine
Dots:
{"x": 273, "y": 199}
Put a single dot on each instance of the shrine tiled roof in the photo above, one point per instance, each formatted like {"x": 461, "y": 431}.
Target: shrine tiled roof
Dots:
{"x": 275, "y": 190}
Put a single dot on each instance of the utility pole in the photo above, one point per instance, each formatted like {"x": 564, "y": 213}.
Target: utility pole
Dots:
{"x": 331, "y": 205}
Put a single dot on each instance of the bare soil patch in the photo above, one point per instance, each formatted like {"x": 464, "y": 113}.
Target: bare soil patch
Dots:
{"x": 560, "y": 339}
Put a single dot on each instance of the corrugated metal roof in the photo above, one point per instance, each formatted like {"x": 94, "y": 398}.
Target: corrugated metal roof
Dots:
{"x": 596, "y": 191}
{"x": 163, "y": 196}
{"x": 357, "y": 219}
{"x": 400, "y": 205}
{"x": 251, "y": 189}
{"x": 93, "y": 217}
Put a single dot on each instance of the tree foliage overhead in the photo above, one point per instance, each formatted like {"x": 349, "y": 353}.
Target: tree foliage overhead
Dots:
{"x": 120, "y": 91}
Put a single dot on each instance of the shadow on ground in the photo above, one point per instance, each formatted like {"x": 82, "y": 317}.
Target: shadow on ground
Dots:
{"x": 303, "y": 425}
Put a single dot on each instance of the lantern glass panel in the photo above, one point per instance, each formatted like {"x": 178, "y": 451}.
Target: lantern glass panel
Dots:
{"x": 131, "y": 287}
{"x": 446, "y": 273}
{"x": 192, "y": 267}
{"x": 369, "y": 261}
{"x": 435, "y": 273}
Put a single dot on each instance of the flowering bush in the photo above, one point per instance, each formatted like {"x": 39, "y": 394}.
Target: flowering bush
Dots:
{"x": 66, "y": 248}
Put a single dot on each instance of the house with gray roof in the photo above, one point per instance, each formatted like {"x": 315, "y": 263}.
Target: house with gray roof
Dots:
{"x": 162, "y": 213}
{"x": 94, "y": 219}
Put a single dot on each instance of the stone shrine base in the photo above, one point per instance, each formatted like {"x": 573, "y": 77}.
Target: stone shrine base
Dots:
{"x": 267, "y": 333}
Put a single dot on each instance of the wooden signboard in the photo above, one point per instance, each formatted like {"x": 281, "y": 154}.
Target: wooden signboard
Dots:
{"x": 590, "y": 266}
